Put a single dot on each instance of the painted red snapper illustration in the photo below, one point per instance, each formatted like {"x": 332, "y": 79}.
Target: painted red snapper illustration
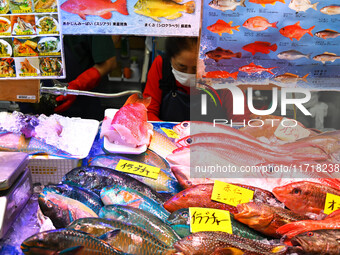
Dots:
{"x": 264, "y": 2}
{"x": 258, "y": 46}
{"x": 295, "y": 31}
{"x": 221, "y": 74}
{"x": 252, "y": 68}
{"x": 258, "y": 23}
{"x": 221, "y": 27}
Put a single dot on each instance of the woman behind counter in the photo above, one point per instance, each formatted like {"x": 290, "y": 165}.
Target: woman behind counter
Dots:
{"x": 170, "y": 79}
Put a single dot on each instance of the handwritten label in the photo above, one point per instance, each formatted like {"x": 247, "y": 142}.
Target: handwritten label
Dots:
{"x": 170, "y": 133}
{"x": 208, "y": 219}
{"x": 231, "y": 194}
{"x": 286, "y": 131}
{"x": 332, "y": 203}
{"x": 132, "y": 167}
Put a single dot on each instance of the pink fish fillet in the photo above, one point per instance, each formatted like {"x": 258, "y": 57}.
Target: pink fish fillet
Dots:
{"x": 129, "y": 126}
{"x": 100, "y": 8}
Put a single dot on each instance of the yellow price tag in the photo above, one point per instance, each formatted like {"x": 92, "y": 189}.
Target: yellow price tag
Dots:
{"x": 332, "y": 203}
{"x": 133, "y": 167}
{"x": 170, "y": 133}
{"x": 208, "y": 219}
{"x": 231, "y": 194}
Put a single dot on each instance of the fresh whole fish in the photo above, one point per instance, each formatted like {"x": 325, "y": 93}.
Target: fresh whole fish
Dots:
{"x": 164, "y": 182}
{"x": 258, "y": 23}
{"x": 331, "y": 10}
{"x": 259, "y": 46}
{"x": 318, "y": 242}
{"x": 326, "y": 57}
{"x": 63, "y": 210}
{"x": 225, "y": 5}
{"x": 265, "y": 218}
{"x": 96, "y": 178}
{"x": 126, "y": 196}
{"x": 292, "y": 55}
{"x": 102, "y": 8}
{"x": 304, "y": 197}
{"x": 252, "y": 68}
{"x": 143, "y": 219}
{"x": 295, "y": 31}
{"x": 122, "y": 236}
{"x": 66, "y": 241}
{"x": 161, "y": 145}
{"x": 87, "y": 197}
{"x": 221, "y": 27}
{"x": 220, "y": 53}
{"x": 168, "y": 9}
{"x": 327, "y": 33}
{"x": 181, "y": 217}
{"x": 220, "y": 74}
{"x": 290, "y": 78}
{"x": 222, "y": 243}
{"x": 264, "y": 2}
{"x": 302, "y": 5}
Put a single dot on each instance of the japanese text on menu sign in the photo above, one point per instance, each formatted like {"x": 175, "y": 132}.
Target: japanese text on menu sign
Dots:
{"x": 133, "y": 17}
{"x": 30, "y": 40}
{"x": 272, "y": 42}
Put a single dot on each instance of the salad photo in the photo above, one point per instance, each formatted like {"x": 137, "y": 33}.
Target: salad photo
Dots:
{"x": 50, "y": 66}
{"x": 49, "y": 45}
{"x": 47, "y": 25}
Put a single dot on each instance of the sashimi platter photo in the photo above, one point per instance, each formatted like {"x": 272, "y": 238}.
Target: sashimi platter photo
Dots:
{"x": 166, "y": 127}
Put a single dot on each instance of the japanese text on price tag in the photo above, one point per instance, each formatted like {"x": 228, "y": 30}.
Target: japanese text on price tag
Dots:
{"x": 332, "y": 203}
{"x": 231, "y": 194}
{"x": 138, "y": 168}
{"x": 208, "y": 219}
{"x": 170, "y": 133}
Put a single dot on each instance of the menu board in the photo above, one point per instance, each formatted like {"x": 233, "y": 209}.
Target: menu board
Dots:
{"x": 30, "y": 40}
{"x": 133, "y": 17}
{"x": 291, "y": 43}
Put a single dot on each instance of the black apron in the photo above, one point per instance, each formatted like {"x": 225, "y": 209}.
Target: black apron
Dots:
{"x": 176, "y": 104}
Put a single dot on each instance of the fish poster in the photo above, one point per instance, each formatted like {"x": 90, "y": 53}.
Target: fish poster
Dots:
{"x": 30, "y": 40}
{"x": 281, "y": 43}
{"x": 131, "y": 17}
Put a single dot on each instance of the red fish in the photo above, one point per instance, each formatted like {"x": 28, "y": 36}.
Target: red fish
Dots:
{"x": 295, "y": 31}
{"x": 264, "y": 2}
{"x": 252, "y": 68}
{"x": 220, "y": 74}
{"x": 258, "y": 23}
{"x": 221, "y": 27}
{"x": 100, "y": 8}
{"x": 262, "y": 47}
{"x": 304, "y": 197}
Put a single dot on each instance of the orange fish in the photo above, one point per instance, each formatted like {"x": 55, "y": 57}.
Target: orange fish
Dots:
{"x": 258, "y": 46}
{"x": 252, "y": 68}
{"x": 220, "y": 74}
{"x": 100, "y": 8}
{"x": 295, "y": 31}
{"x": 258, "y": 23}
{"x": 222, "y": 27}
{"x": 264, "y": 2}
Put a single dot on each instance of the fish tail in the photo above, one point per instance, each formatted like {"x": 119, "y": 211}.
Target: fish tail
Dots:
{"x": 275, "y": 24}
{"x": 269, "y": 70}
{"x": 135, "y": 99}
{"x": 304, "y": 78}
{"x": 308, "y": 55}
{"x": 236, "y": 28}
{"x": 310, "y": 30}
{"x": 314, "y": 6}
{"x": 238, "y": 55}
{"x": 234, "y": 75}
{"x": 242, "y": 3}
{"x": 190, "y": 7}
{"x": 274, "y": 47}
{"x": 121, "y": 7}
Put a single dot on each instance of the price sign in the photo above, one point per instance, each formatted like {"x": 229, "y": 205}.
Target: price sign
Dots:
{"x": 231, "y": 194}
{"x": 132, "y": 167}
{"x": 208, "y": 219}
{"x": 170, "y": 133}
{"x": 332, "y": 203}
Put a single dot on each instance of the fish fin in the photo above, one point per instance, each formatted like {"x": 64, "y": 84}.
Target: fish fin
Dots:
{"x": 263, "y": 5}
{"x": 282, "y": 1}
{"x": 230, "y": 32}
{"x": 108, "y": 235}
{"x": 329, "y": 53}
{"x": 73, "y": 250}
{"x": 121, "y": 7}
{"x": 304, "y": 78}
{"x": 107, "y": 15}
{"x": 230, "y": 22}
{"x": 291, "y": 38}
{"x": 175, "y": 16}
{"x": 178, "y": 1}
{"x": 234, "y": 75}
{"x": 236, "y": 28}
{"x": 238, "y": 55}
{"x": 297, "y": 23}
{"x": 279, "y": 249}
{"x": 290, "y": 229}
{"x": 220, "y": 34}
{"x": 242, "y": 3}
{"x": 83, "y": 16}
{"x": 275, "y": 24}
{"x": 135, "y": 204}
{"x": 135, "y": 99}
{"x": 190, "y": 7}
{"x": 228, "y": 251}
{"x": 310, "y": 30}
{"x": 274, "y": 47}
{"x": 314, "y": 6}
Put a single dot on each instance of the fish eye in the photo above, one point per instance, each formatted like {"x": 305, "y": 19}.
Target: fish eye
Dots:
{"x": 310, "y": 234}
{"x": 185, "y": 124}
{"x": 189, "y": 238}
{"x": 40, "y": 243}
{"x": 81, "y": 173}
{"x": 296, "y": 191}
{"x": 189, "y": 140}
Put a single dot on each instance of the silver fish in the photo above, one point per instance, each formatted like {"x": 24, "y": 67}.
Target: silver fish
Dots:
{"x": 292, "y": 55}
{"x": 327, "y": 33}
{"x": 302, "y": 5}
{"x": 326, "y": 57}
{"x": 225, "y": 5}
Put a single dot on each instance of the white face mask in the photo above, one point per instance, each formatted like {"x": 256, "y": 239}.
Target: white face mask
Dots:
{"x": 186, "y": 79}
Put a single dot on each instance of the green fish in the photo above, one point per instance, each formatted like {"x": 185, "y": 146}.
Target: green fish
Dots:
{"x": 180, "y": 222}
{"x": 118, "y": 194}
{"x": 164, "y": 182}
{"x": 142, "y": 219}
{"x": 123, "y": 236}
{"x": 66, "y": 242}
